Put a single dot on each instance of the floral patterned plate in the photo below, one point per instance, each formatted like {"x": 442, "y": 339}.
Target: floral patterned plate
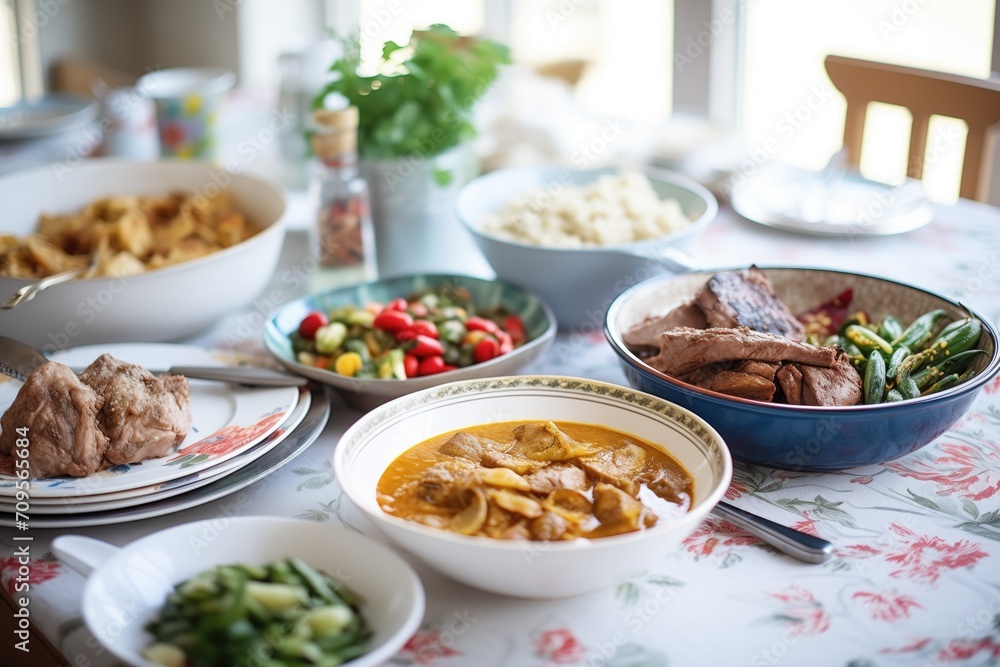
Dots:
{"x": 290, "y": 447}
{"x": 148, "y": 494}
{"x": 228, "y": 420}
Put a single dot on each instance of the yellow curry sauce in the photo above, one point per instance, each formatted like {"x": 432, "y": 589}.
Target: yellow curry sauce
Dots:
{"x": 536, "y": 480}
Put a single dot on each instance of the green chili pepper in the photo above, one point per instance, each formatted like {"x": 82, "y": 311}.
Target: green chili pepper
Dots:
{"x": 920, "y": 331}
{"x": 867, "y": 340}
{"x": 874, "y": 378}
{"x": 891, "y": 328}
{"x": 944, "y": 383}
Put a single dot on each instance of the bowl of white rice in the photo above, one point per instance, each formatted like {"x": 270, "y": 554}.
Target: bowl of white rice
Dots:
{"x": 580, "y": 237}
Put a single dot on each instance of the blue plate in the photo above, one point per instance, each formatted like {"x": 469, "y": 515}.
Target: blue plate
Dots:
{"x": 539, "y": 324}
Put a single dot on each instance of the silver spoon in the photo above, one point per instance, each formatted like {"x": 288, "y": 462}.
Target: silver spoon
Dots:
{"x": 28, "y": 292}
{"x": 18, "y": 360}
{"x": 793, "y": 542}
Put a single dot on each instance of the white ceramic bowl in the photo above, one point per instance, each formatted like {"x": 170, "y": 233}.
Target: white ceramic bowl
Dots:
{"x": 127, "y": 587}
{"x": 160, "y": 305}
{"x": 578, "y": 283}
{"x": 532, "y": 569}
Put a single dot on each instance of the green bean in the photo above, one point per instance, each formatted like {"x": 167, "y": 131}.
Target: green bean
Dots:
{"x": 874, "y": 383}
{"x": 920, "y": 330}
{"x": 890, "y": 328}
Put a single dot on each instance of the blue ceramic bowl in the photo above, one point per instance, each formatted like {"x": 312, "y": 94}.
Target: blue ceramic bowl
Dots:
{"x": 795, "y": 437}
{"x": 539, "y": 325}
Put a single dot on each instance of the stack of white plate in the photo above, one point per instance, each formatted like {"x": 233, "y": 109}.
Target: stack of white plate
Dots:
{"x": 238, "y": 435}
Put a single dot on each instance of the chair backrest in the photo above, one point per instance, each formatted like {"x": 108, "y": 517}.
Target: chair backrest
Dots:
{"x": 924, "y": 93}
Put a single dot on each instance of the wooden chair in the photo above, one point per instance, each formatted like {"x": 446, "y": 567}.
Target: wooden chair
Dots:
{"x": 924, "y": 93}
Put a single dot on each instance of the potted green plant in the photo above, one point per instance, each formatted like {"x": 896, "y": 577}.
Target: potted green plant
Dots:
{"x": 413, "y": 140}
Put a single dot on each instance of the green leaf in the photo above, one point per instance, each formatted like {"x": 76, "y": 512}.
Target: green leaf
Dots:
{"x": 628, "y": 593}
{"x": 308, "y": 471}
{"x": 195, "y": 461}
{"x": 443, "y": 177}
{"x": 982, "y": 530}
{"x": 970, "y": 508}
{"x": 314, "y": 515}
{"x": 926, "y": 502}
{"x": 314, "y": 483}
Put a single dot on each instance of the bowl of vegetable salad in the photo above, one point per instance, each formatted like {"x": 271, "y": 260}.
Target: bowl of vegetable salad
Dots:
{"x": 378, "y": 341}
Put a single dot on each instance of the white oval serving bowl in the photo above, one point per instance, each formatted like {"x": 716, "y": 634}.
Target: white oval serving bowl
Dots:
{"x": 127, "y": 587}
{"x": 578, "y": 283}
{"x": 159, "y": 305}
{"x": 521, "y": 568}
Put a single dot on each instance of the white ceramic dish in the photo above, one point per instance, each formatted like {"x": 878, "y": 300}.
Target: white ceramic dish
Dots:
{"x": 160, "y": 305}
{"x": 46, "y": 116}
{"x": 171, "y": 488}
{"x": 290, "y": 446}
{"x": 831, "y": 204}
{"x": 532, "y": 569}
{"x": 127, "y": 586}
{"x": 227, "y": 420}
{"x": 579, "y": 283}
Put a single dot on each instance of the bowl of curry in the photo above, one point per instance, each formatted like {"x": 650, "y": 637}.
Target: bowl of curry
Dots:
{"x": 534, "y": 486}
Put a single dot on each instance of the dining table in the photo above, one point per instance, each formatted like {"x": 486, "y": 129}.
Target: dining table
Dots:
{"x": 915, "y": 575}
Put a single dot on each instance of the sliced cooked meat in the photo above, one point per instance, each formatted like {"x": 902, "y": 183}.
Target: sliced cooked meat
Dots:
{"x": 647, "y": 334}
{"x": 60, "y": 413}
{"x": 543, "y": 441}
{"x": 549, "y": 526}
{"x": 838, "y": 385}
{"x": 620, "y": 466}
{"x": 447, "y": 484}
{"x": 810, "y": 385}
{"x": 617, "y": 511}
{"x": 764, "y": 369}
{"x": 557, "y": 476}
{"x": 464, "y": 445}
{"x": 497, "y": 459}
{"x": 747, "y": 299}
{"x": 735, "y": 383}
{"x": 684, "y": 350}
{"x": 143, "y": 416}
{"x": 790, "y": 378}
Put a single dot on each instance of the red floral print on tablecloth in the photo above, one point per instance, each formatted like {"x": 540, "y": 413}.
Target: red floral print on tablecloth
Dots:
{"x": 863, "y": 479}
{"x": 968, "y": 649}
{"x": 735, "y": 491}
{"x": 229, "y": 438}
{"x": 39, "y": 571}
{"x": 713, "y": 533}
{"x": 914, "y": 646}
{"x": 921, "y": 558}
{"x": 426, "y": 648}
{"x": 889, "y": 606}
{"x": 801, "y": 611}
{"x": 559, "y": 646}
{"x": 807, "y": 525}
{"x": 957, "y": 469}
{"x": 993, "y": 387}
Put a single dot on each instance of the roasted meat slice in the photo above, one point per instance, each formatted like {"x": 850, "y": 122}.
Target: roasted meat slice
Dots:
{"x": 840, "y": 384}
{"x": 143, "y": 416}
{"x": 647, "y": 333}
{"x": 735, "y": 383}
{"x": 684, "y": 350}
{"x": 60, "y": 413}
{"x": 747, "y": 299}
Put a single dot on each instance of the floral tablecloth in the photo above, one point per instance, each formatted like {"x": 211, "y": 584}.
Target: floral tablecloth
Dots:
{"x": 915, "y": 579}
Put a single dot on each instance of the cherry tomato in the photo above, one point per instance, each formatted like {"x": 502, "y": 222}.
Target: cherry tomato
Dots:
{"x": 485, "y": 350}
{"x": 311, "y": 323}
{"x": 506, "y": 342}
{"x": 397, "y": 304}
{"x": 411, "y": 365}
{"x": 432, "y": 365}
{"x": 426, "y": 347}
{"x": 418, "y": 309}
{"x": 425, "y": 328}
{"x": 393, "y": 320}
{"x": 513, "y": 325}
{"x": 475, "y": 323}
{"x": 406, "y": 335}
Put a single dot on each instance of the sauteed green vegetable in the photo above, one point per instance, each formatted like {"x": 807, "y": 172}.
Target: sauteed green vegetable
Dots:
{"x": 898, "y": 363}
{"x": 284, "y": 614}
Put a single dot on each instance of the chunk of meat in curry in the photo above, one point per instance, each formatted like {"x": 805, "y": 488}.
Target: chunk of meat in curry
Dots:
{"x": 535, "y": 480}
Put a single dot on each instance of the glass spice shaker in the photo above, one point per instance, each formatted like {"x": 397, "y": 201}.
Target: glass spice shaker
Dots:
{"x": 342, "y": 240}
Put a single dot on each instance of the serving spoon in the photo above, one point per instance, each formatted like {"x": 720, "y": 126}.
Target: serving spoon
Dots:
{"x": 18, "y": 360}
{"x": 28, "y": 292}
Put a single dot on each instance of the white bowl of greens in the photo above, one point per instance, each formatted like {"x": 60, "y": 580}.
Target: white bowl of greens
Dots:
{"x": 277, "y": 589}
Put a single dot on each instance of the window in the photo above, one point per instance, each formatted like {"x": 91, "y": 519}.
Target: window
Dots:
{"x": 790, "y": 99}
